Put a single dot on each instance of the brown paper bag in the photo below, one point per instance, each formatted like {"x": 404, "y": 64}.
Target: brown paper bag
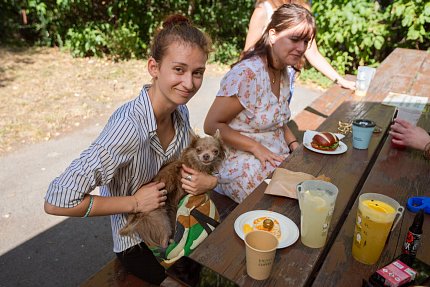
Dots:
{"x": 284, "y": 182}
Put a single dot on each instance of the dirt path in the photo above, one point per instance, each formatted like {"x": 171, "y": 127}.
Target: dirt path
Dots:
{"x": 45, "y": 93}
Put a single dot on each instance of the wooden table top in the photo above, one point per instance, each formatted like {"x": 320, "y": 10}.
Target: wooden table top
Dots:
{"x": 399, "y": 174}
{"x": 353, "y": 172}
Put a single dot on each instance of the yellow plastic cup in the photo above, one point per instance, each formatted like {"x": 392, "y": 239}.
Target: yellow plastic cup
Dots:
{"x": 375, "y": 216}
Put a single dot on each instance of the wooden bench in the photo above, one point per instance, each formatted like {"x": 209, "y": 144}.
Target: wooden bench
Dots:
{"x": 113, "y": 273}
{"x": 320, "y": 109}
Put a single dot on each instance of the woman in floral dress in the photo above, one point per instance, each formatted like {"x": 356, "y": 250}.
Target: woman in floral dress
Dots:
{"x": 251, "y": 108}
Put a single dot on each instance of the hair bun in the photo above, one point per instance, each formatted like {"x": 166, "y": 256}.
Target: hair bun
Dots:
{"x": 175, "y": 19}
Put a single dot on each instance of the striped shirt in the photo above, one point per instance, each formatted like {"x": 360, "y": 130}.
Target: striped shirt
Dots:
{"x": 126, "y": 155}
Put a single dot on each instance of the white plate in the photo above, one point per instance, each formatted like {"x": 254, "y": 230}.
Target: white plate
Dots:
{"x": 307, "y": 139}
{"x": 289, "y": 230}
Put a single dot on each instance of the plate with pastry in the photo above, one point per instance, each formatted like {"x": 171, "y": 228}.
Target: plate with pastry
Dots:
{"x": 324, "y": 142}
{"x": 279, "y": 225}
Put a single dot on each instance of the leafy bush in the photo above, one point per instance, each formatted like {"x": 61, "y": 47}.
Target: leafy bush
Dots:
{"x": 88, "y": 40}
{"x": 125, "y": 43}
{"x": 364, "y": 32}
{"x": 350, "y": 32}
{"x": 122, "y": 29}
{"x": 410, "y": 23}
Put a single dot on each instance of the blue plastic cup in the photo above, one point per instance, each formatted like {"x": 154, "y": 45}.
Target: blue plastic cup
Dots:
{"x": 362, "y": 131}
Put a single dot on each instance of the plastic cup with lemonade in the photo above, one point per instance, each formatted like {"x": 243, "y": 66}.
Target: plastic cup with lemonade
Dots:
{"x": 375, "y": 216}
{"x": 316, "y": 201}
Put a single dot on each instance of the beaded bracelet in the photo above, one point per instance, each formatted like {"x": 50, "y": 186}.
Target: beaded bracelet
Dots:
{"x": 90, "y": 206}
{"x": 426, "y": 152}
{"x": 294, "y": 141}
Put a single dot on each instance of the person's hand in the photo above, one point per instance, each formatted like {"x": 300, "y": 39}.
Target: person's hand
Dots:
{"x": 150, "y": 197}
{"x": 195, "y": 182}
{"x": 404, "y": 133}
{"x": 263, "y": 154}
{"x": 346, "y": 84}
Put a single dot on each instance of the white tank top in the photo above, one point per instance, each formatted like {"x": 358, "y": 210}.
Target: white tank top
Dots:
{"x": 269, "y": 11}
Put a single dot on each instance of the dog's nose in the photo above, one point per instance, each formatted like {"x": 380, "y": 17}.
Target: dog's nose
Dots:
{"x": 206, "y": 157}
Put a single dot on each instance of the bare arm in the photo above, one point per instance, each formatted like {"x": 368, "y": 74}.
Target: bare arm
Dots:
{"x": 257, "y": 23}
{"x": 222, "y": 111}
{"x": 317, "y": 60}
{"x": 147, "y": 198}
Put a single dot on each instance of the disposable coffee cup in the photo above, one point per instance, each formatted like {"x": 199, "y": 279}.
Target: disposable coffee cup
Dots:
{"x": 362, "y": 131}
{"x": 260, "y": 253}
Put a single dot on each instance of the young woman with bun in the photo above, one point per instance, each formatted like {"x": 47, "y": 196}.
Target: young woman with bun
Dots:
{"x": 251, "y": 108}
{"x": 138, "y": 139}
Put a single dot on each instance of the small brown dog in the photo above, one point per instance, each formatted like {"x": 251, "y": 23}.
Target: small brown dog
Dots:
{"x": 204, "y": 154}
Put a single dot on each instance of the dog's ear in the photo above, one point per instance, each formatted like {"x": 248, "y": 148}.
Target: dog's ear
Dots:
{"x": 217, "y": 134}
{"x": 222, "y": 151}
{"x": 193, "y": 137}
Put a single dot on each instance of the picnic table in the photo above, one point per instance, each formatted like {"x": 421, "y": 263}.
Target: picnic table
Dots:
{"x": 399, "y": 174}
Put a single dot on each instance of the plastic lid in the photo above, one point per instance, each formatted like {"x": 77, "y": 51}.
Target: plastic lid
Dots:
{"x": 364, "y": 123}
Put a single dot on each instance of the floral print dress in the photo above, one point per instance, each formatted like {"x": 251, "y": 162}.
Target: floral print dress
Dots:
{"x": 262, "y": 120}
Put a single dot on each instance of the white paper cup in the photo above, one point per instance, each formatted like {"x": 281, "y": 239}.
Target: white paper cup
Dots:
{"x": 260, "y": 253}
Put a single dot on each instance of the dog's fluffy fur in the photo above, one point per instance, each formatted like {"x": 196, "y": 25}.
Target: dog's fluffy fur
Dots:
{"x": 204, "y": 154}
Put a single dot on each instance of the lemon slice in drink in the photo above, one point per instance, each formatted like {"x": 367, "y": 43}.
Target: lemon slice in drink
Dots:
{"x": 318, "y": 202}
{"x": 379, "y": 206}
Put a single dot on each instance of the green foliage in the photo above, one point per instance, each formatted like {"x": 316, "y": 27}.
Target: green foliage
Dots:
{"x": 362, "y": 32}
{"x": 125, "y": 43}
{"x": 350, "y": 32}
{"x": 410, "y": 23}
{"x": 227, "y": 23}
{"x": 122, "y": 29}
{"x": 312, "y": 76}
{"x": 88, "y": 40}
{"x": 100, "y": 39}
